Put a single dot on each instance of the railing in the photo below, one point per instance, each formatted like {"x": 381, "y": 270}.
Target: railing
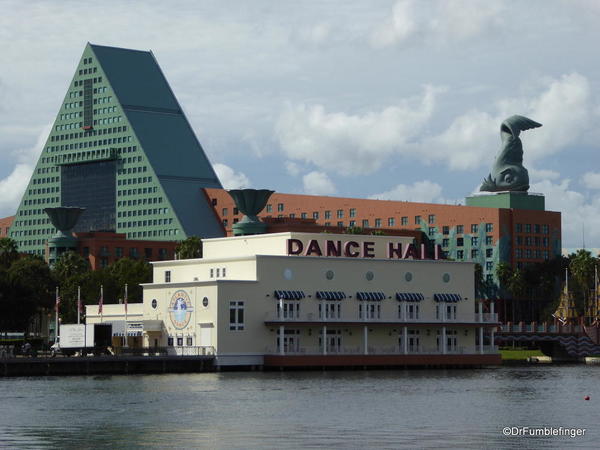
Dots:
{"x": 201, "y": 350}
{"x": 390, "y": 350}
{"x": 539, "y": 328}
{"x": 486, "y": 317}
{"x": 312, "y": 317}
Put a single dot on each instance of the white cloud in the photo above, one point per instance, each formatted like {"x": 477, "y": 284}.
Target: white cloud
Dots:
{"x": 318, "y": 183}
{"x": 577, "y": 212}
{"x": 420, "y": 191}
{"x": 12, "y": 188}
{"x": 563, "y": 106}
{"x": 537, "y": 175}
{"x": 443, "y": 21}
{"x": 352, "y": 144}
{"x": 591, "y": 180}
{"x": 292, "y": 168}
{"x": 230, "y": 179}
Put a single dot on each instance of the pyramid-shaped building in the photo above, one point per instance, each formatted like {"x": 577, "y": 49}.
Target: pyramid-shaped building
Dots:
{"x": 122, "y": 148}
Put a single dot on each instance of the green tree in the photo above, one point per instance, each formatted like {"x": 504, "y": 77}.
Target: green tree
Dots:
{"x": 9, "y": 252}
{"x": 354, "y": 230}
{"x": 133, "y": 273}
{"x": 69, "y": 265}
{"x": 581, "y": 266}
{"x": 189, "y": 248}
{"x": 33, "y": 274}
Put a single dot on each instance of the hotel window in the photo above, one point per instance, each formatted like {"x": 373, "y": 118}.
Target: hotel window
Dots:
{"x": 224, "y": 212}
{"x": 180, "y": 342}
{"x": 545, "y": 229}
{"x": 279, "y": 207}
{"x": 474, "y": 241}
{"x": 414, "y": 342}
{"x": 352, "y": 223}
{"x": 460, "y": 229}
{"x": 330, "y": 310}
{"x": 327, "y": 214}
{"x": 489, "y": 227}
{"x": 316, "y": 215}
{"x": 545, "y": 242}
{"x": 404, "y": 220}
{"x": 536, "y": 228}
{"x": 489, "y": 252}
{"x": 170, "y": 341}
{"x": 225, "y": 223}
{"x": 527, "y": 228}
{"x": 391, "y": 222}
{"x": 519, "y": 240}
{"x": 445, "y": 230}
{"x": 518, "y": 253}
{"x": 431, "y": 218}
{"x": 292, "y": 215}
{"x": 269, "y": 208}
{"x": 474, "y": 228}
{"x": 417, "y": 220}
{"x": 235, "y": 211}
{"x": 460, "y": 254}
{"x": 340, "y": 224}
{"x": 377, "y": 223}
{"x": 412, "y": 311}
{"x": 212, "y": 273}
{"x": 527, "y": 240}
{"x": 519, "y": 228}
{"x": 431, "y": 231}
{"x": 546, "y": 254}
{"x": 352, "y": 212}
{"x": 303, "y": 215}
{"x": 445, "y": 242}
{"x": 365, "y": 223}
{"x": 489, "y": 266}
{"x": 474, "y": 253}
{"x": 537, "y": 241}
{"x": 489, "y": 278}
{"x": 190, "y": 341}
{"x": 460, "y": 242}
{"x": 340, "y": 214}
{"x": 527, "y": 253}
{"x": 369, "y": 310}
{"x": 288, "y": 309}
{"x": 489, "y": 240}
{"x": 236, "y": 316}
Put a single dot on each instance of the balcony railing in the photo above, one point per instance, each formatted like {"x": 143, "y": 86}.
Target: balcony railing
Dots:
{"x": 390, "y": 350}
{"x": 314, "y": 317}
{"x": 202, "y": 350}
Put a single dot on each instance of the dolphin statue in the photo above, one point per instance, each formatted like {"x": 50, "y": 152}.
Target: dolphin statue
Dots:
{"x": 508, "y": 173}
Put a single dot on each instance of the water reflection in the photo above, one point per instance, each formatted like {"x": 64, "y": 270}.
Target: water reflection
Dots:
{"x": 398, "y": 409}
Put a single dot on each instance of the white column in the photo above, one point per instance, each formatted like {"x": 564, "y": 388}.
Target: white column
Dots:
{"x": 281, "y": 338}
{"x": 366, "y": 339}
{"x": 481, "y": 340}
{"x": 324, "y": 339}
{"x": 405, "y": 339}
{"x": 492, "y": 337}
{"x": 281, "y": 309}
{"x": 492, "y": 309}
{"x": 444, "y": 340}
{"x": 480, "y": 312}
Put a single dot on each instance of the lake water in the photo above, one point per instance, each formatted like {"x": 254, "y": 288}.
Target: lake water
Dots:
{"x": 337, "y": 409}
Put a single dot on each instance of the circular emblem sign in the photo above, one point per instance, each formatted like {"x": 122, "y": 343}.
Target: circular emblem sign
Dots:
{"x": 180, "y": 309}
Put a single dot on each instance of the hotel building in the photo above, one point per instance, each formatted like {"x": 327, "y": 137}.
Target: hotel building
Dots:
{"x": 308, "y": 299}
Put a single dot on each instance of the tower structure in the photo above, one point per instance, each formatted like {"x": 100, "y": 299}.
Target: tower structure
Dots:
{"x": 122, "y": 148}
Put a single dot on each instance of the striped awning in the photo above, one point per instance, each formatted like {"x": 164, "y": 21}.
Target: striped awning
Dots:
{"x": 289, "y": 295}
{"x": 330, "y": 295}
{"x": 409, "y": 297}
{"x": 447, "y": 297}
{"x": 370, "y": 296}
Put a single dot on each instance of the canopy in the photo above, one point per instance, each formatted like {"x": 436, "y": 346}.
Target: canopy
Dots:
{"x": 409, "y": 297}
{"x": 330, "y": 295}
{"x": 447, "y": 298}
{"x": 370, "y": 296}
{"x": 289, "y": 295}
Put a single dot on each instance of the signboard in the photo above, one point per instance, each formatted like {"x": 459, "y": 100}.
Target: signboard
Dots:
{"x": 180, "y": 309}
{"x": 72, "y": 336}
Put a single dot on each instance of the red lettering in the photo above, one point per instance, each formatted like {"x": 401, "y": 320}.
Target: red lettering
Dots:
{"x": 394, "y": 250}
{"x": 294, "y": 247}
{"x": 368, "y": 249}
{"x": 313, "y": 248}
{"x": 348, "y": 249}
{"x": 334, "y": 248}
{"x": 410, "y": 251}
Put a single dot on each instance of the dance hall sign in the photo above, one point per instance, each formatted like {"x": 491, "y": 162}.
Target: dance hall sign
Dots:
{"x": 361, "y": 249}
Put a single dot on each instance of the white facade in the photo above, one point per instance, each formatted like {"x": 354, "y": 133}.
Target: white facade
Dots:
{"x": 249, "y": 301}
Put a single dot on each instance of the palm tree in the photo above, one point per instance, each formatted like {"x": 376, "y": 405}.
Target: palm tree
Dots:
{"x": 9, "y": 252}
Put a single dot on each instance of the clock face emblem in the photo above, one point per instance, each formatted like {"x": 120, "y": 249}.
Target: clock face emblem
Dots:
{"x": 180, "y": 309}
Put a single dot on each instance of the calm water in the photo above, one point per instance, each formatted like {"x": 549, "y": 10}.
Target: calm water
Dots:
{"x": 375, "y": 409}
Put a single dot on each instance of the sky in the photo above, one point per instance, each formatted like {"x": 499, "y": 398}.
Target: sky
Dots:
{"x": 398, "y": 100}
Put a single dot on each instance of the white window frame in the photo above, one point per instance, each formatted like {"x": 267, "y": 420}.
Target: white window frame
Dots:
{"x": 237, "y": 307}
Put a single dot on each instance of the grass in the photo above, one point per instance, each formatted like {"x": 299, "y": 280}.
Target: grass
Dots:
{"x": 519, "y": 354}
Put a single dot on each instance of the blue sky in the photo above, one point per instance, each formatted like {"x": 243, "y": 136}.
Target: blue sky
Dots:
{"x": 383, "y": 99}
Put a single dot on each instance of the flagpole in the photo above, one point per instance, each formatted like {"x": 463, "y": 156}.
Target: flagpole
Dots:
{"x": 126, "y": 327}
{"x": 78, "y": 304}
{"x": 56, "y": 317}
{"x": 101, "y": 303}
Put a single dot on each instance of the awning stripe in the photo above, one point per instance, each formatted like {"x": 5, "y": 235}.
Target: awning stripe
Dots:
{"x": 451, "y": 298}
{"x": 409, "y": 297}
{"x": 330, "y": 295}
{"x": 289, "y": 295}
{"x": 370, "y": 296}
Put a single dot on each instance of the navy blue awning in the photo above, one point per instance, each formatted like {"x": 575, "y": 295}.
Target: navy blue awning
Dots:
{"x": 409, "y": 297}
{"x": 371, "y": 296}
{"x": 447, "y": 298}
{"x": 330, "y": 295}
{"x": 289, "y": 295}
